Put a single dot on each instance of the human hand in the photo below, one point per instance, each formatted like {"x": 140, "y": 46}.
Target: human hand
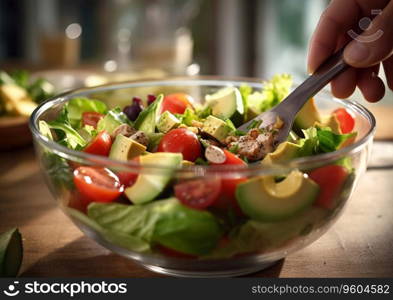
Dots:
{"x": 365, "y": 53}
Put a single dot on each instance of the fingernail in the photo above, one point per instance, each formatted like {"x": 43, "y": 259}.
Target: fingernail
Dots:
{"x": 356, "y": 53}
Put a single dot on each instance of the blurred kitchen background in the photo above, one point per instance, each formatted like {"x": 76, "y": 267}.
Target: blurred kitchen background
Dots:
{"x": 225, "y": 37}
{"x": 130, "y": 39}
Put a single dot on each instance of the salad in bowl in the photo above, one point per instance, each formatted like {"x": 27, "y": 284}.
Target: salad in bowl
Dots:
{"x": 160, "y": 173}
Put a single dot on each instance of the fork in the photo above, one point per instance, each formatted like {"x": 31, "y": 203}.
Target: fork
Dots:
{"x": 287, "y": 109}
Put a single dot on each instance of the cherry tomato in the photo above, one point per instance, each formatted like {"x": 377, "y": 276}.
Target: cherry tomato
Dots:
{"x": 100, "y": 145}
{"x": 198, "y": 193}
{"x": 97, "y": 184}
{"x": 347, "y": 121}
{"x": 176, "y": 103}
{"x": 128, "y": 178}
{"x": 91, "y": 118}
{"x": 181, "y": 140}
{"x": 330, "y": 179}
{"x": 227, "y": 198}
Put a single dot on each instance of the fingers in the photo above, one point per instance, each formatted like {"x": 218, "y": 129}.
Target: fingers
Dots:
{"x": 388, "y": 68}
{"x": 334, "y": 22}
{"x": 375, "y": 44}
{"x": 371, "y": 86}
{"x": 344, "y": 84}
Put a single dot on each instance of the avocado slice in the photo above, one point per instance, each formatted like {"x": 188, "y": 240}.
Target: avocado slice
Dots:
{"x": 113, "y": 119}
{"x": 263, "y": 199}
{"x": 124, "y": 148}
{"x": 216, "y": 128}
{"x": 284, "y": 152}
{"x": 227, "y": 103}
{"x": 147, "y": 119}
{"x": 167, "y": 122}
{"x": 150, "y": 183}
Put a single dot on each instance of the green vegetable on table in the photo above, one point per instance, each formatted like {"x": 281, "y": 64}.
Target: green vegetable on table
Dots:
{"x": 11, "y": 253}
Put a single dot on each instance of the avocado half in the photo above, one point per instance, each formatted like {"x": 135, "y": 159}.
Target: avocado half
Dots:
{"x": 263, "y": 199}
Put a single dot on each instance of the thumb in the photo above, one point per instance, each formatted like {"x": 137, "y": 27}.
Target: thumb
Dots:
{"x": 375, "y": 44}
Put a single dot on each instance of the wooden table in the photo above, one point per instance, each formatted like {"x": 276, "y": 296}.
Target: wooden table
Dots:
{"x": 360, "y": 244}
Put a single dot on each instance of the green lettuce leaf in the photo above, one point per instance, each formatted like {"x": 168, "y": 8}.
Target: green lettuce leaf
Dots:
{"x": 58, "y": 170}
{"x": 147, "y": 119}
{"x": 273, "y": 91}
{"x": 121, "y": 239}
{"x": 166, "y": 222}
{"x": 245, "y": 90}
{"x": 188, "y": 116}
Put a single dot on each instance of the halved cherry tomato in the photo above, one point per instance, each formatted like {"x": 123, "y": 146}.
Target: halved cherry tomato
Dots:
{"x": 181, "y": 140}
{"x": 347, "y": 121}
{"x": 198, "y": 193}
{"x": 227, "y": 198}
{"x": 100, "y": 145}
{"x": 91, "y": 118}
{"x": 176, "y": 103}
{"x": 128, "y": 178}
{"x": 97, "y": 184}
{"x": 330, "y": 179}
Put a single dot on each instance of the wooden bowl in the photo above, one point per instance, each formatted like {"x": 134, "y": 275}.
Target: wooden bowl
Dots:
{"x": 14, "y": 132}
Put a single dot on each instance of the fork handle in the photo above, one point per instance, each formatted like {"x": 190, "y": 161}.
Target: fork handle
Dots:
{"x": 333, "y": 66}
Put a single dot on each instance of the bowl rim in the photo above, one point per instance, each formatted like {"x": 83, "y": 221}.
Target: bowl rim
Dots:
{"x": 197, "y": 81}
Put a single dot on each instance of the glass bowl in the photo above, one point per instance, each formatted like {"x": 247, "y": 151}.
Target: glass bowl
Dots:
{"x": 242, "y": 245}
